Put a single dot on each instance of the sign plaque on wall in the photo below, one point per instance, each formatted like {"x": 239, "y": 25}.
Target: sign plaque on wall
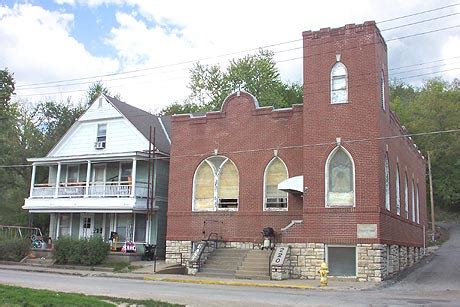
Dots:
{"x": 280, "y": 254}
{"x": 366, "y": 231}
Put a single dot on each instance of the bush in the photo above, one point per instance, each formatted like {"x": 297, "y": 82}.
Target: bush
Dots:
{"x": 80, "y": 251}
{"x": 14, "y": 249}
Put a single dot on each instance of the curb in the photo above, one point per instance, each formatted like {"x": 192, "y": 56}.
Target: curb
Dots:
{"x": 230, "y": 283}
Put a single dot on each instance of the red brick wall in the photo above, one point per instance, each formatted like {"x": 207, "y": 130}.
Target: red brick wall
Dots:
{"x": 248, "y": 136}
{"x": 305, "y": 136}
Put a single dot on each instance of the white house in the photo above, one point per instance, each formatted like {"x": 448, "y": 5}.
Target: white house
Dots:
{"x": 95, "y": 180}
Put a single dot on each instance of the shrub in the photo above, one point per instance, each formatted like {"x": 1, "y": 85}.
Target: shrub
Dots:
{"x": 14, "y": 249}
{"x": 80, "y": 251}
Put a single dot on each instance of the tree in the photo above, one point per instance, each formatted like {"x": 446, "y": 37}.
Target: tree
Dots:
{"x": 434, "y": 107}
{"x": 95, "y": 90}
{"x": 256, "y": 74}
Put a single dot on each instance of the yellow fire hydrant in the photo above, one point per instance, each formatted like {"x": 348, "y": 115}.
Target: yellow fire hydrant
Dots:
{"x": 323, "y": 271}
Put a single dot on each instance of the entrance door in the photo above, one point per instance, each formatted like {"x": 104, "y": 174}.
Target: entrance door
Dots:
{"x": 86, "y": 225}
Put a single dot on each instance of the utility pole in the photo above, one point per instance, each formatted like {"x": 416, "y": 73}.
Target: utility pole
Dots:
{"x": 433, "y": 227}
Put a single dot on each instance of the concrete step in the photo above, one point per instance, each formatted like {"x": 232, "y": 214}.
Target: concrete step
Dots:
{"x": 221, "y": 266}
{"x": 250, "y": 269}
{"x": 217, "y": 271}
{"x": 218, "y": 275}
{"x": 259, "y": 267}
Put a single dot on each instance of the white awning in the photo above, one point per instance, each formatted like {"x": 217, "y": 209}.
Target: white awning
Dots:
{"x": 292, "y": 185}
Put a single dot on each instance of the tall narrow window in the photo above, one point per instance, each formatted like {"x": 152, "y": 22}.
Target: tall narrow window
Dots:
{"x": 275, "y": 173}
{"x": 382, "y": 90}
{"x": 398, "y": 192}
{"x": 339, "y": 83}
{"x": 340, "y": 178}
{"x": 72, "y": 174}
{"x": 216, "y": 185}
{"x": 406, "y": 196}
{"x": 387, "y": 183}
{"x": 413, "y": 201}
{"x": 418, "y": 205}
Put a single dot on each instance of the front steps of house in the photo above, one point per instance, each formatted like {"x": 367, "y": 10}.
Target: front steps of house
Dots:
{"x": 237, "y": 263}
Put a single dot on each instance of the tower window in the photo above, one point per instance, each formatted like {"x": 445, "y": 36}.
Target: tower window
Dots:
{"x": 339, "y": 83}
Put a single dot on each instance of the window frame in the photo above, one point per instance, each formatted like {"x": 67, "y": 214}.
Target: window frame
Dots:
{"x": 101, "y": 138}
{"x": 418, "y": 203}
{"x": 413, "y": 201}
{"x": 406, "y": 195}
{"x": 216, "y": 174}
{"x": 387, "y": 182}
{"x": 398, "y": 191}
{"x": 333, "y": 78}
{"x": 326, "y": 177}
{"x": 265, "y": 186}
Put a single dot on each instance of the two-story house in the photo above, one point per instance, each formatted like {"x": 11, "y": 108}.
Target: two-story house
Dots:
{"x": 108, "y": 173}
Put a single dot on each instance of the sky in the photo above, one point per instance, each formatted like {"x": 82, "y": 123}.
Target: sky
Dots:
{"x": 143, "y": 50}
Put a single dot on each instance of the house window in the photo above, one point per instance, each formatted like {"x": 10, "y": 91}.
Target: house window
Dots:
{"x": 382, "y": 90}
{"x": 387, "y": 183}
{"x": 406, "y": 195}
{"x": 339, "y": 83}
{"x": 101, "y": 136}
{"x": 125, "y": 173}
{"x": 216, "y": 185}
{"x": 398, "y": 192}
{"x": 275, "y": 173}
{"x": 413, "y": 201}
{"x": 72, "y": 173}
{"x": 340, "y": 175}
{"x": 64, "y": 225}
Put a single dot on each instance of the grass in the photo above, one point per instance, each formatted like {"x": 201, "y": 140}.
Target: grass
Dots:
{"x": 17, "y": 296}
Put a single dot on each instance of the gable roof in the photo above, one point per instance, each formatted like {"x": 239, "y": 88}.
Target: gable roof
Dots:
{"x": 143, "y": 120}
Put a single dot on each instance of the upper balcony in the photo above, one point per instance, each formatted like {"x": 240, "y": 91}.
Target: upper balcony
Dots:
{"x": 75, "y": 184}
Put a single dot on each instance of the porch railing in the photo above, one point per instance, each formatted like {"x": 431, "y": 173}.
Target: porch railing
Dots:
{"x": 95, "y": 189}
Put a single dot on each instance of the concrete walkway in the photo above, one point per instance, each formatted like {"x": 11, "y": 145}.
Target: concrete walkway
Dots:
{"x": 146, "y": 273}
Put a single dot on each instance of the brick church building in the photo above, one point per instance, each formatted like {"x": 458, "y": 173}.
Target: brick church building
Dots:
{"x": 335, "y": 177}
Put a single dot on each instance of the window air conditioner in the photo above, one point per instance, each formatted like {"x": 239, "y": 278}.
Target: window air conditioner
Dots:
{"x": 99, "y": 145}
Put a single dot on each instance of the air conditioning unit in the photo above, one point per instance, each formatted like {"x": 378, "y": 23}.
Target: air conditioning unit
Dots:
{"x": 99, "y": 145}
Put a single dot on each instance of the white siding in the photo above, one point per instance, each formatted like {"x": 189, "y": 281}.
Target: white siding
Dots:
{"x": 121, "y": 137}
{"x": 96, "y": 112}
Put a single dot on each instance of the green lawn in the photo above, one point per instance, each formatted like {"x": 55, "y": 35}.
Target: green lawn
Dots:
{"x": 16, "y": 296}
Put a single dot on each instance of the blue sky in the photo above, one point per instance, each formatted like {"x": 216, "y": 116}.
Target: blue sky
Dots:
{"x": 45, "y": 41}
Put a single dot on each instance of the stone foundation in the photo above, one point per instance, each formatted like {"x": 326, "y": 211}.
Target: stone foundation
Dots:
{"x": 375, "y": 262}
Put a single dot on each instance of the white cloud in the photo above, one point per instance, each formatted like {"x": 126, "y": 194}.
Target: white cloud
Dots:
{"x": 37, "y": 47}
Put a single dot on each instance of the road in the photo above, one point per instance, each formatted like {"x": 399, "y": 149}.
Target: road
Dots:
{"x": 436, "y": 283}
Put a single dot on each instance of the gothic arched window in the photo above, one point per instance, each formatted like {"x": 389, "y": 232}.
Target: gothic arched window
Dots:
{"x": 339, "y": 83}
{"x": 340, "y": 179}
{"x": 275, "y": 173}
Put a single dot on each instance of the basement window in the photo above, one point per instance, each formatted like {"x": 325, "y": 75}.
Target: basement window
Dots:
{"x": 341, "y": 260}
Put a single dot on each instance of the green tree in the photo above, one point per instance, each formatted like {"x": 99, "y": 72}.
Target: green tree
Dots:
{"x": 256, "y": 74}
{"x": 434, "y": 107}
{"x": 95, "y": 90}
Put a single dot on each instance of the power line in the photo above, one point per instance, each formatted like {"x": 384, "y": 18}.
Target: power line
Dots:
{"x": 394, "y": 39}
{"x": 418, "y": 22}
{"x": 419, "y": 13}
{"x": 344, "y": 141}
{"x": 231, "y": 53}
{"x": 423, "y": 63}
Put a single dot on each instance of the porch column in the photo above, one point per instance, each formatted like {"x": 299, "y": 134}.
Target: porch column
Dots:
{"x": 32, "y": 180}
{"x": 133, "y": 175}
{"x": 58, "y": 179}
{"x": 88, "y": 176}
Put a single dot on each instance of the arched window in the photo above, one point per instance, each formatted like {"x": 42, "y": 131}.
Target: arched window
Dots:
{"x": 275, "y": 173}
{"x": 339, "y": 83}
{"x": 413, "y": 200}
{"x": 340, "y": 179}
{"x": 215, "y": 185}
{"x": 382, "y": 90}
{"x": 406, "y": 195}
{"x": 387, "y": 183}
{"x": 418, "y": 205}
{"x": 398, "y": 192}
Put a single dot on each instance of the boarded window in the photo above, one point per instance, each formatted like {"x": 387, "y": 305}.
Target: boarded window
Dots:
{"x": 340, "y": 179}
{"x": 228, "y": 186}
{"x": 276, "y": 172}
{"x": 216, "y": 184}
{"x": 204, "y": 187}
{"x": 413, "y": 201}
{"x": 342, "y": 261}
{"x": 418, "y": 205}
{"x": 339, "y": 84}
